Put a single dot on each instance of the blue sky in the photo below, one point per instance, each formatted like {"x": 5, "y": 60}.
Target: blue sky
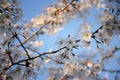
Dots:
{"x": 31, "y": 8}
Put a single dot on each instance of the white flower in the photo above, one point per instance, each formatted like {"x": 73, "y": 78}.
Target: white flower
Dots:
{"x": 89, "y": 64}
{"x": 87, "y": 36}
{"x": 85, "y": 32}
{"x": 37, "y": 21}
{"x": 104, "y": 16}
{"x": 37, "y": 43}
{"x": 51, "y": 9}
{"x": 97, "y": 68}
{"x": 102, "y": 34}
{"x": 110, "y": 28}
{"x": 30, "y": 72}
{"x": 29, "y": 25}
{"x": 75, "y": 70}
{"x": 16, "y": 73}
{"x": 86, "y": 44}
{"x": 70, "y": 42}
{"x": 60, "y": 42}
{"x": 5, "y": 4}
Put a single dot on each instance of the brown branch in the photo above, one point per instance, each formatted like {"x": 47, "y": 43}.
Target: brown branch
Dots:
{"x": 16, "y": 36}
{"x": 46, "y": 55}
{"x": 32, "y": 58}
{"x": 8, "y": 52}
{"x": 93, "y": 34}
{"x": 32, "y": 35}
{"x": 109, "y": 55}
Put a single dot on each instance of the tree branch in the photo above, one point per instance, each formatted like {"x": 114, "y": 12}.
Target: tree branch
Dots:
{"x": 16, "y": 36}
{"x": 106, "y": 70}
{"x": 45, "y": 55}
{"x": 93, "y": 34}
{"x": 109, "y": 55}
{"x": 38, "y": 56}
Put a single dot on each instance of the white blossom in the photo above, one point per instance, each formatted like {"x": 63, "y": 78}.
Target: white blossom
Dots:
{"x": 37, "y": 21}
{"x": 37, "y": 43}
{"x": 85, "y": 32}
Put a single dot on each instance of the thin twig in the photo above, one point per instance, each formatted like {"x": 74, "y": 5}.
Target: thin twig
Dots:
{"x": 8, "y": 52}
{"x": 93, "y": 34}
{"x": 109, "y": 55}
{"x": 45, "y": 55}
{"x": 22, "y": 45}
{"x": 106, "y": 70}
{"x": 32, "y": 35}
{"x": 55, "y": 60}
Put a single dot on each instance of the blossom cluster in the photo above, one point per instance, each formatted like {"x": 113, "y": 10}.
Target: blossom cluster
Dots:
{"x": 19, "y": 41}
{"x": 10, "y": 13}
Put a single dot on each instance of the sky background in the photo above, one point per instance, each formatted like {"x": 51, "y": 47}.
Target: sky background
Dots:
{"x": 32, "y": 8}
